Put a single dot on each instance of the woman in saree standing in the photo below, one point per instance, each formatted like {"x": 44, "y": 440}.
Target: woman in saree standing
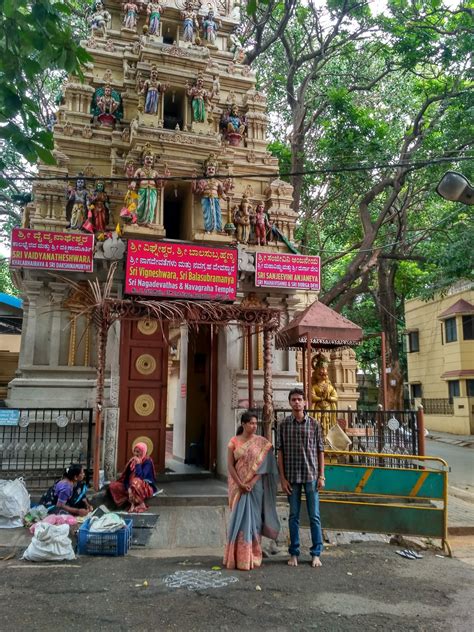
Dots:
{"x": 253, "y": 479}
{"x": 137, "y": 482}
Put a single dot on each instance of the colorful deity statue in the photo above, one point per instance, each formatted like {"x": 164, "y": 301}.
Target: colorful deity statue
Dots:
{"x": 262, "y": 224}
{"x": 154, "y": 11}
{"x": 209, "y": 27}
{"x": 233, "y": 125}
{"x": 147, "y": 181}
{"x": 324, "y": 395}
{"x": 99, "y": 20}
{"x": 199, "y": 98}
{"x": 242, "y": 215}
{"x": 106, "y": 106}
{"x": 190, "y": 22}
{"x": 211, "y": 190}
{"x": 128, "y": 212}
{"x": 77, "y": 203}
{"x": 236, "y": 46}
{"x": 151, "y": 89}
{"x": 130, "y": 17}
{"x": 98, "y": 210}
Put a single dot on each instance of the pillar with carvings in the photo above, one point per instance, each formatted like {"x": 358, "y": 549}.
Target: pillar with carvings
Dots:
{"x": 112, "y": 410}
{"x": 342, "y": 372}
{"x": 279, "y": 356}
{"x": 33, "y": 291}
{"x": 57, "y": 297}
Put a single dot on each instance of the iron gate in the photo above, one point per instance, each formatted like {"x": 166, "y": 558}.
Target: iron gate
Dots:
{"x": 44, "y": 442}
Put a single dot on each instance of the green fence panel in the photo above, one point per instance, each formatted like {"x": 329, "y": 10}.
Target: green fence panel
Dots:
{"x": 384, "y": 481}
{"x": 382, "y": 518}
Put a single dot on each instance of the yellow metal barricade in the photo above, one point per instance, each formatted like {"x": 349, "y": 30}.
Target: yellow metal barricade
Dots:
{"x": 386, "y": 493}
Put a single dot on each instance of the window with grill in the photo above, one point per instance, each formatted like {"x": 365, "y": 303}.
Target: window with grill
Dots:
{"x": 453, "y": 388}
{"x": 413, "y": 342}
{"x": 450, "y": 330}
{"x": 416, "y": 391}
{"x": 470, "y": 388}
{"x": 468, "y": 327}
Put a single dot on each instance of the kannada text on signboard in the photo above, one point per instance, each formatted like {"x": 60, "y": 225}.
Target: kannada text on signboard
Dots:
{"x": 181, "y": 270}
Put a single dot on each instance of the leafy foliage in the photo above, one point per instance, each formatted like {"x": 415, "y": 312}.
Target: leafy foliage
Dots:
{"x": 349, "y": 90}
{"x": 35, "y": 37}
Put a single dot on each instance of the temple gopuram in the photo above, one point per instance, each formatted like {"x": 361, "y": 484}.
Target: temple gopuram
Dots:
{"x": 162, "y": 171}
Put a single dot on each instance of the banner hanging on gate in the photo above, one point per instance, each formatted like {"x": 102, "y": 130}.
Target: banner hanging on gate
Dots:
{"x": 181, "y": 271}
{"x": 72, "y": 252}
{"x": 299, "y": 272}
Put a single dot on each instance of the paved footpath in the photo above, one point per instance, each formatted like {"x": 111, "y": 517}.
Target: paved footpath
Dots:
{"x": 465, "y": 441}
{"x": 460, "y": 479}
{"x": 359, "y": 588}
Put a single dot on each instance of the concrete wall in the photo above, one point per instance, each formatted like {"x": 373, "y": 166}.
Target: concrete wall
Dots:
{"x": 437, "y": 357}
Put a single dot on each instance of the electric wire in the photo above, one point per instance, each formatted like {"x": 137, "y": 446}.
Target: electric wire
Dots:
{"x": 275, "y": 174}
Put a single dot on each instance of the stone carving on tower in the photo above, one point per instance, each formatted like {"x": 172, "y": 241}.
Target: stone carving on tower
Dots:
{"x": 106, "y": 106}
{"x": 151, "y": 90}
{"x": 99, "y": 20}
{"x": 210, "y": 27}
{"x": 147, "y": 183}
{"x": 154, "y": 11}
{"x": 233, "y": 125}
{"x": 200, "y": 98}
{"x": 211, "y": 190}
{"x": 190, "y": 22}
{"x": 77, "y": 203}
{"x": 169, "y": 76}
{"x": 130, "y": 17}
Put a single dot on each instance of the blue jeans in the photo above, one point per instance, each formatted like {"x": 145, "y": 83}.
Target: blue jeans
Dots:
{"x": 312, "y": 504}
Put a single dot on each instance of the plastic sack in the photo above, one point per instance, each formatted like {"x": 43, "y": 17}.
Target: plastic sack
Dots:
{"x": 71, "y": 521}
{"x": 35, "y": 514}
{"x": 50, "y": 543}
{"x": 108, "y": 523}
{"x": 10, "y": 523}
{"x": 14, "y": 503}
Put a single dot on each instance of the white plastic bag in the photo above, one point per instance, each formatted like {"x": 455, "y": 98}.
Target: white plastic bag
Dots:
{"x": 50, "y": 543}
{"x": 14, "y": 503}
{"x": 108, "y": 523}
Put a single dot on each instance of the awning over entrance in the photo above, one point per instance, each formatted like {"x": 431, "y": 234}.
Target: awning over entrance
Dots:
{"x": 317, "y": 327}
{"x": 325, "y": 328}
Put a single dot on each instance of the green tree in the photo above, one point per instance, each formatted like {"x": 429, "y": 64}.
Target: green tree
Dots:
{"x": 36, "y": 37}
{"x": 385, "y": 89}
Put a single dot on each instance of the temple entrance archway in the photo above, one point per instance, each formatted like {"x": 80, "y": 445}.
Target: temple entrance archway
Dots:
{"x": 192, "y": 403}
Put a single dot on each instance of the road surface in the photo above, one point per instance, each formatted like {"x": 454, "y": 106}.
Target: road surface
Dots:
{"x": 460, "y": 460}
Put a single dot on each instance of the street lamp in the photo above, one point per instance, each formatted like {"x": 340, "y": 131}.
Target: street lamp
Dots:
{"x": 454, "y": 187}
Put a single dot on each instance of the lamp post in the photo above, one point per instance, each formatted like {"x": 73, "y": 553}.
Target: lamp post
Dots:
{"x": 454, "y": 187}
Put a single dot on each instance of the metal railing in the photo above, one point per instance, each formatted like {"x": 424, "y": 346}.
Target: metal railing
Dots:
{"x": 376, "y": 431}
{"x": 440, "y": 406}
{"x": 44, "y": 442}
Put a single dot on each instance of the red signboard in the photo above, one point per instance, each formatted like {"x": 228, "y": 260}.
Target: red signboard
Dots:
{"x": 181, "y": 270}
{"x": 298, "y": 272}
{"x": 72, "y": 252}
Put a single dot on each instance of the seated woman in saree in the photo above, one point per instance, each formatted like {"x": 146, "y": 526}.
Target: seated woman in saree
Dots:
{"x": 137, "y": 482}
{"x": 68, "y": 494}
{"x": 252, "y": 480}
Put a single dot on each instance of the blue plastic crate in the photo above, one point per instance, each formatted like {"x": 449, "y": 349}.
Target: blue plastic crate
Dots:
{"x": 94, "y": 543}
